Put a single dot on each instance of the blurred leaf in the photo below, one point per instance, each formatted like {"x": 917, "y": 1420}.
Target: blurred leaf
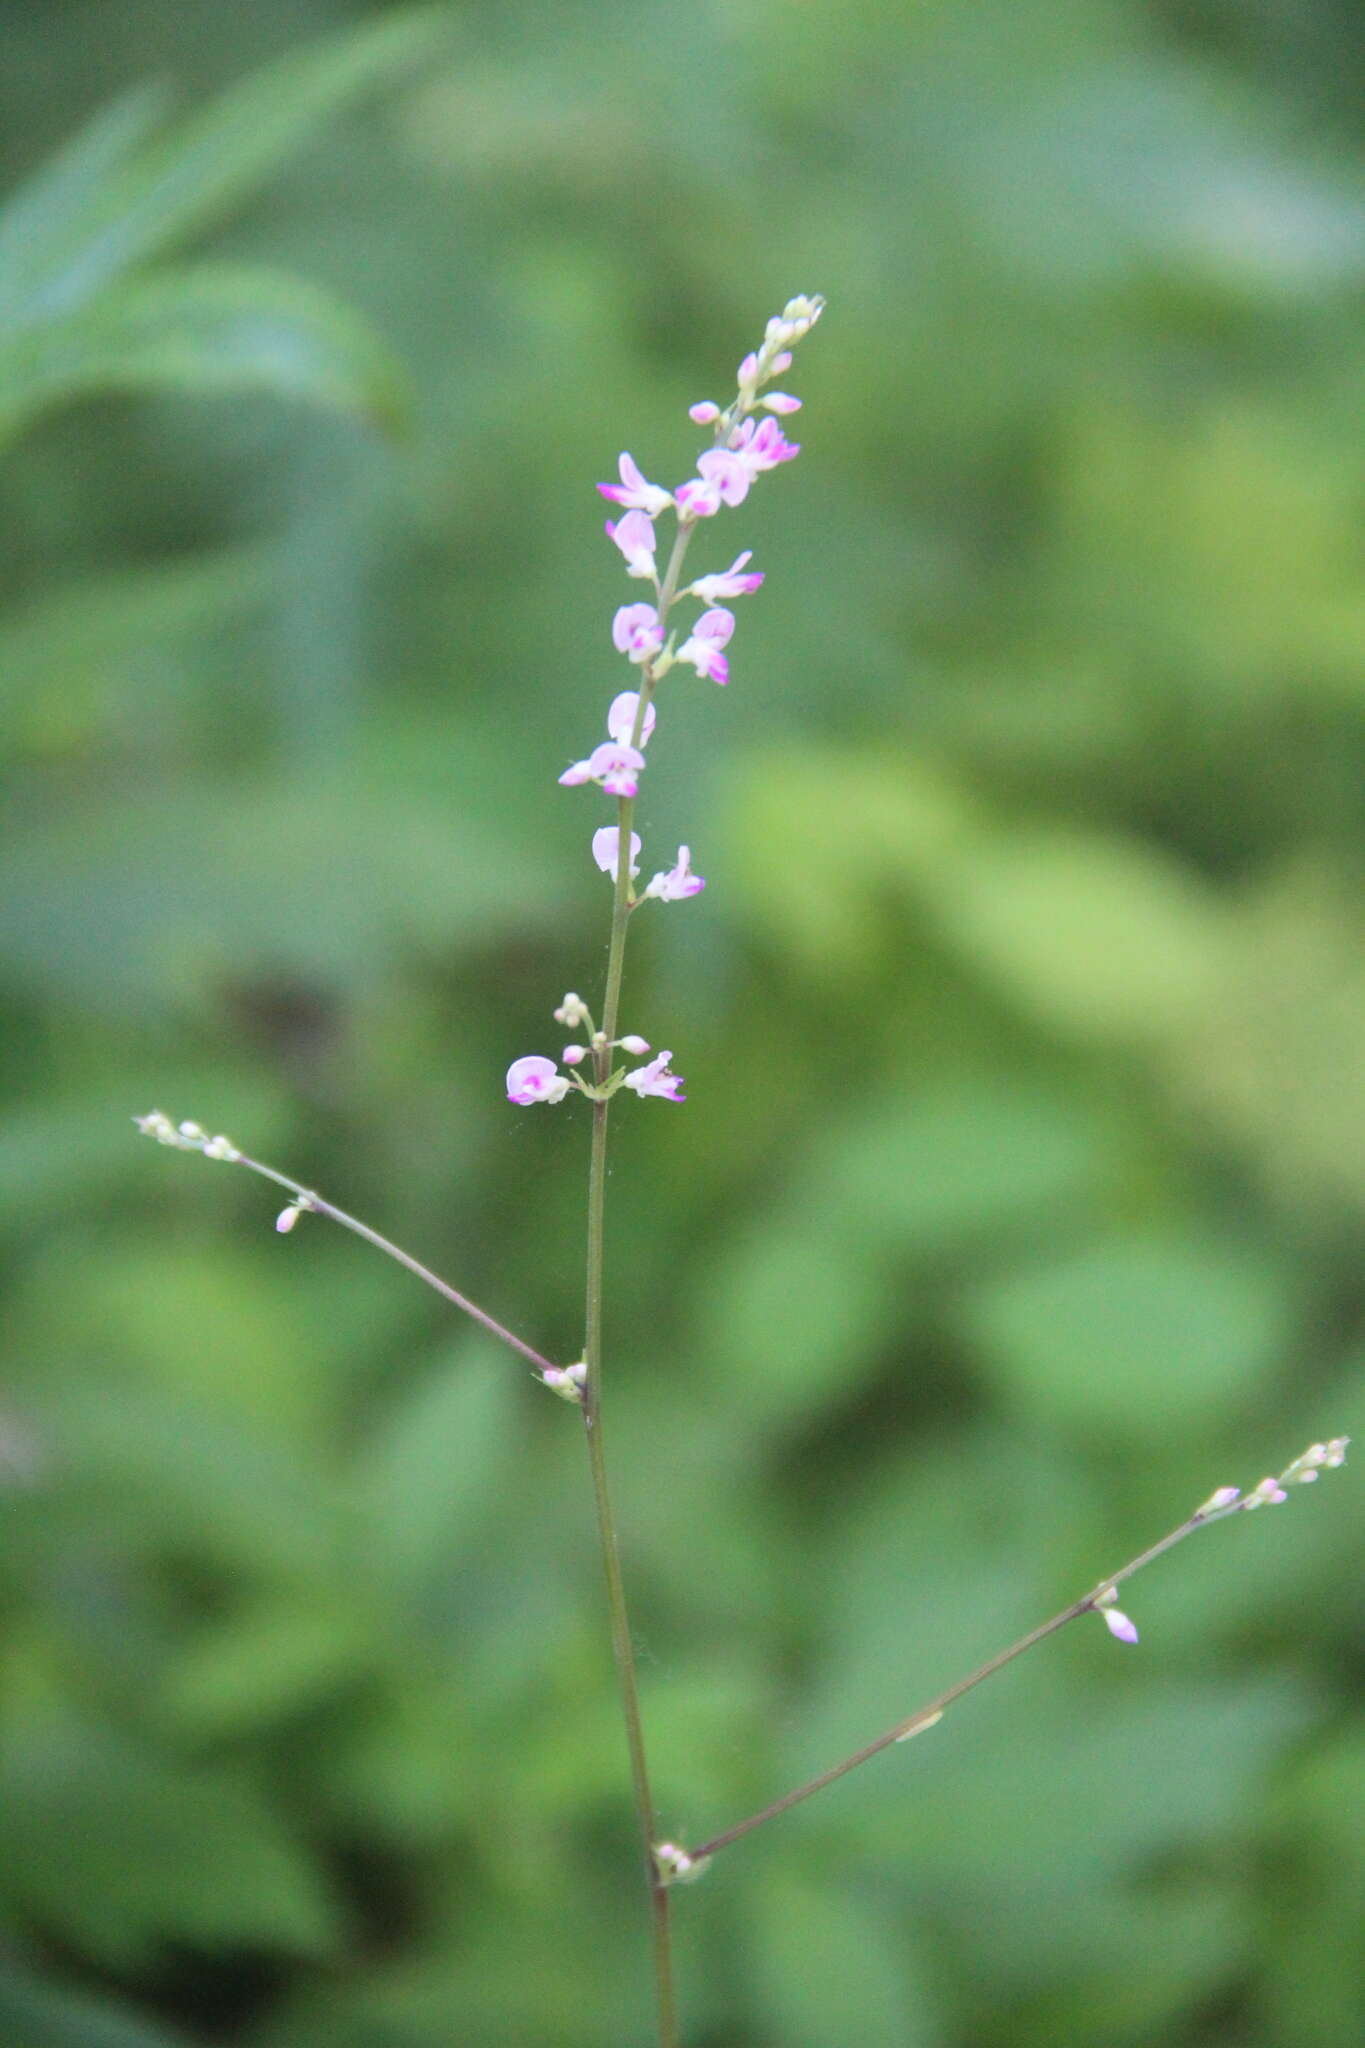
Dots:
{"x": 790, "y": 1319}
{"x": 208, "y": 330}
{"x": 101, "y": 226}
{"x": 120, "y": 1852}
{"x": 268, "y": 1664}
{"x": 1133, "y": 1337}
{"x": 832, "y": 1964}
{"x": 942, "y": 1162}
{"x": 76, "y": 653}
{"x": 1098, "y": 936}
{"x": 35, "y": 2014}
{"x": 40, "y": 221}
{"x": 441, "y": 1463}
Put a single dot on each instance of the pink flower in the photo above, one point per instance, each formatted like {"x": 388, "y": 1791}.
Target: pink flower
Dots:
{"x": 606, "y": 850}
{"x": 634, "y": 535}
{"x": 535, "y": 1079}
{"x": 1119, "y": 1625}
{"x": 655, "y": 1079}
{"x": 727, "y": 472}
{"x": 613, "y": 764}
{"x": 703, "y": 649}
{"x": 780, "y": 401}
{"x": 635, "y": 492}
{"x": 730, "y": 582}
{"x": 696, "y": 500}
{"x": 704, "y": 412}
{"x": 672, "y": 885}
{"x": 621, "y": 717}
{"x": 636, "y": 631}
{"x": 763, "y": 446}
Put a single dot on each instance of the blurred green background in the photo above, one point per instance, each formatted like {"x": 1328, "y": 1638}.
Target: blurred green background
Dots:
{"x": 1018, "y": 1198}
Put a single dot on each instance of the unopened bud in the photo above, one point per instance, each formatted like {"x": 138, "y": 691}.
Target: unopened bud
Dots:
{"x": 287, "y": 1218}
{"x": 1222, "y": 1497}
{"x": 634, "y": 1044}
{"x": 675, "y": 1866}
{"x": 913, "y": 1728}
{"x": 566, "y": 1380}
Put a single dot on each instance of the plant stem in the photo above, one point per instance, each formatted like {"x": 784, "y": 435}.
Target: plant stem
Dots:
{"x": 925, "y": 1716}
{"x": 309, "y": 1200}
{"x": 623, "y": 1649}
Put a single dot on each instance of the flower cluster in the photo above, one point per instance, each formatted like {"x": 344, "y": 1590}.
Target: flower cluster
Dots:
{"x": 186, "y": 1136}
{"x": 743, "y": 448}
{"x": 1227, "y": 1500}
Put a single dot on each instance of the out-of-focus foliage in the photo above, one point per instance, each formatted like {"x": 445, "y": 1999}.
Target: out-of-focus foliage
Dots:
{"x": 1018, "y": 1199}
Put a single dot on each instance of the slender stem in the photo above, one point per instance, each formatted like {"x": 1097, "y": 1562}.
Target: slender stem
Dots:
{"x": 307, "y": 1199}
{"x": 623, "y": 1649}
{"x": 926, "y": 1715}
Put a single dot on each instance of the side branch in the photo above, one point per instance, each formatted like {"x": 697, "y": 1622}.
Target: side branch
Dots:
{"x": 189, "y": 1137}
{"x": 1100, "y": 1600}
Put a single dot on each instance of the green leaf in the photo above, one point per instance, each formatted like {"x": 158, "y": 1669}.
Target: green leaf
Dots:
{"x": 209, "y": 163}
{"x": 442, "y": 1465}
{"x": 39, "y": 223}
{"x": 119, "y": 1851}
{"x": 208, "y": 330}
{"x": 1101, "y": 937}
{"x": 35, "y": 2014}
{"x": 962, "y": 1159}
{"x": 1122, "y": 1337}
{"x": 833, "y": 1965}
{"x": 790, "y": 1319}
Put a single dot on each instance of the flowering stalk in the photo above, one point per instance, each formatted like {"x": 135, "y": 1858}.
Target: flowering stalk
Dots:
{"x": 1101, "y": 1599}
{"x": 742, "y": 449}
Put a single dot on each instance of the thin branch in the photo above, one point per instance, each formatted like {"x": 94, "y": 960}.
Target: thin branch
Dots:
{"x": 1100, "y": 1600}
{"x": 189, "y": 1137}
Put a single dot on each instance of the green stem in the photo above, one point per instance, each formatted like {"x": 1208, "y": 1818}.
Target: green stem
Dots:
{"x": 623, "y": 1649}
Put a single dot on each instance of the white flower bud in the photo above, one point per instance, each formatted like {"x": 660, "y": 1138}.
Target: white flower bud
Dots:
{"x": 675, "y": 1866}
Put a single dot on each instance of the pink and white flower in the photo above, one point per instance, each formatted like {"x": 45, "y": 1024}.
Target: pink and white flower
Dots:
{"x": 731, "y": 582}
{"x": 634, "y": 535}
{"x": 655, "y": 1079}
{"x": 622, "y": 714}
{"x": 703, "y": 648}
{"x": 704, "y": 413}
{"x": 606, "y": 850}
{"x": 761, "y": 445}
{"x": 636, "y": 632}
{"x": 728, "y": 473}
{"x": 535, "y": 1079}
{"x": 616, "y": 766}
{"x": 697, "y": 499}
{"x": 1119, "y": 1625}
{"x": 635, "y": 492}
{"x": 671, "y": 885}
